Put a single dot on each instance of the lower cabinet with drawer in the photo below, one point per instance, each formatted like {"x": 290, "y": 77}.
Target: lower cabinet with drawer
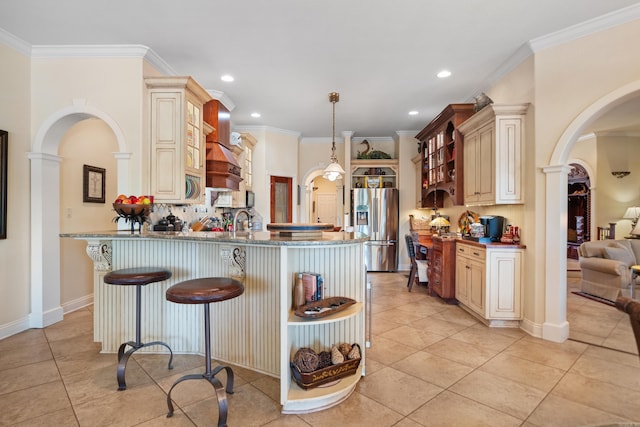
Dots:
{"x": 488, "y": 282}
{"x": 442, "y": 268}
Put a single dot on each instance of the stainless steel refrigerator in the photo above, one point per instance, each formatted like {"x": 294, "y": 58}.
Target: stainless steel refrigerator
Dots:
{"x": 374, "y": 212}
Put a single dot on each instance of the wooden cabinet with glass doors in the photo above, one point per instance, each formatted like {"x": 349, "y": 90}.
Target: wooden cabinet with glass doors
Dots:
{"x": 441, "y": 145}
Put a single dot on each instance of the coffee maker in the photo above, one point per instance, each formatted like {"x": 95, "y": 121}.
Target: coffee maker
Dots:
{"x": 493, "y": 227}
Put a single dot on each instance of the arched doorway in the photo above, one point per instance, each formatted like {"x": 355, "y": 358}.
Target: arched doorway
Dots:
{"x": 45, "y": 206}
{"x": 307, "y": 211}
{"x": 555, "y": 326}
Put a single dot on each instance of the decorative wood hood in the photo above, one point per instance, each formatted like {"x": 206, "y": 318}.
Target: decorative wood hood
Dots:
{"x": 223, "y": 170}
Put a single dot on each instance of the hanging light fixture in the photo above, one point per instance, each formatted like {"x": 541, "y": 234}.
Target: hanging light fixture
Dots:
{"x": 334, "y": 170}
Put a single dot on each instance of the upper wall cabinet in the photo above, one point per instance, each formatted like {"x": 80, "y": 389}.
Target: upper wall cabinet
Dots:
{"x": 493, "y": 160}
{"x": 441, "y": 142}
{"x": 177, "y": 148}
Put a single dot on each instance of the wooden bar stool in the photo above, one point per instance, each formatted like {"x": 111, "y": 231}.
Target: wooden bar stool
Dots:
{"x": 137, "y": 277}
{"x": 205, "y": 291}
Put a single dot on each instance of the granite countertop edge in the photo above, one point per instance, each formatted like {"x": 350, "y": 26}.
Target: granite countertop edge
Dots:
{"x": 254, "y": 238}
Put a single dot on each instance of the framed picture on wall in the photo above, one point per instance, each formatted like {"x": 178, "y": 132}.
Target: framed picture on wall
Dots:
{"x": 4, "y": 142}
{"x": 93, "y": 184}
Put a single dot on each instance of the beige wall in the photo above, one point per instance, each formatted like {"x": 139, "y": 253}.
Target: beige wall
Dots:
{"x": 15, "y": 106}
{"x": 89, "y": 142}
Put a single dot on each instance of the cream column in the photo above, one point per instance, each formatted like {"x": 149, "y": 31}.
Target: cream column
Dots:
{"x": 346, "y": 207}
{"x": 555, "y": 326}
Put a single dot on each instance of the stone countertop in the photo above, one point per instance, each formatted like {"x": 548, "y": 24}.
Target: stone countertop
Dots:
{"x": 253, "y": 238}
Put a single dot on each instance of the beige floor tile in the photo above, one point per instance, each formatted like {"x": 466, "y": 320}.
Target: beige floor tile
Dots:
{"x": 600, "y": 395}
{"x": 27, "y": 376}
{"x": 397, "y": 390}
{"x": 372, "y": 365}
{"x": 560, "y": 356}
{"x": 450, "y": 409}
{"x": 287, "y": 421}
{"x": 412, "y": 336}
{"x": 84, "y": 361}
{"x": 461, "y": 352}
{"x": 357, "y": 411}
{"x": 191, "y": 391}
{"x": 62, "y": 418}
{"x": 533, "y": 374}
{"x": 178, "y": 419}
{"x": 126, "y": 408}
{"x": 484, "y": 337}
{"x": 103, "y": 381}
{"x": 500, "y": 393}
{"x": 440, "y": 326}
{"x": 248, "y": 407}
{"x": 387, "y": 351}
{"x": 382, "y": 324}
{"x": 621, "y": 338}
{"x": 33, "y": 402}
{"x": 610, "y": 372}
{"x": 156, "y": 365}
{"x": 425, "y": 307}
{"x": 407, "y": 422}
{"x": 433, "y": 369}
{"x": 613, "y": 356}
{"x": 33, "y": 351}
{"x": 554, "y": 411}
{"x": 398, "y": 316}
{"x": 77, "y": 323}
{"x": 23, "y": 339}
{"x": 455, "y": 314}
{"x": 76, "y": 344}
{"x": 269, "y": 386}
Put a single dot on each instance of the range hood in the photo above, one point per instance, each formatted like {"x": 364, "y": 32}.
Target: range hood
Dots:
{"x": 223, "y": 170}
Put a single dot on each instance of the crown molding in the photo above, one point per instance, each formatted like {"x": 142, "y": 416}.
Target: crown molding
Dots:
{"x": 102, "y": 51}
{"x": 223, "y": 98}
{"x": 14, "y": 42}
{"x": 533, "y": 46}
{"x": 592, "y": 26}
{"x": 241, "y": 129}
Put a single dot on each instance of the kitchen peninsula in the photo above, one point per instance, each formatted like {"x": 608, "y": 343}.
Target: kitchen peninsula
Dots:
{"x": 258, "y": 330}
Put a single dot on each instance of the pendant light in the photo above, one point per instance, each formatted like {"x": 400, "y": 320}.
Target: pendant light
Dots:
{"x": 334, "y": 170}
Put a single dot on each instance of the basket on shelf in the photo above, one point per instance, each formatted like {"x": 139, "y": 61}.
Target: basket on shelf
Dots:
{"x": 325, "y": 375}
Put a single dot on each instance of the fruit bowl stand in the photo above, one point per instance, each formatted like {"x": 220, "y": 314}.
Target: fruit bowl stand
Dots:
{"x": 132, "y": 213}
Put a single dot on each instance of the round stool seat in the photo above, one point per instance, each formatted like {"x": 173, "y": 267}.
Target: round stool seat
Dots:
{"x": 137, "y": 276}
{"x": 204, "y": 290}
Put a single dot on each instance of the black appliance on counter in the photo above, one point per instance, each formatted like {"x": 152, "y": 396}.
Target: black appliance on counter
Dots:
{"x": 493, "y": 227}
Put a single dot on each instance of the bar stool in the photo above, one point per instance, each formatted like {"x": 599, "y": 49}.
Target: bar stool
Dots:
{"x": 205, "y": 291}
{"x": 137, "y": 277}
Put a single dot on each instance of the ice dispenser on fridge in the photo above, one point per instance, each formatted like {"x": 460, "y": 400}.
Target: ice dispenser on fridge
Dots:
{"x": 493, "y": 227}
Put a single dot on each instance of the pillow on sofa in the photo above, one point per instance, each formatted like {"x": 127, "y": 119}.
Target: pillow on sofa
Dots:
{"x": 620, "y": 253}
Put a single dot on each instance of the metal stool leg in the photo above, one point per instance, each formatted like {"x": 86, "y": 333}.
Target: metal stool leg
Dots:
{"x": 123, "y": 357}
{"x": 209, "y": 375}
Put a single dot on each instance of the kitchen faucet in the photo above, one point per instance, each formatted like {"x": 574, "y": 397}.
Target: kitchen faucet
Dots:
{"x": 235, "y": 219}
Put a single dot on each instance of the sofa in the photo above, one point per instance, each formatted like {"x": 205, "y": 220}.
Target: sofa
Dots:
{"x": 605, "y": 266}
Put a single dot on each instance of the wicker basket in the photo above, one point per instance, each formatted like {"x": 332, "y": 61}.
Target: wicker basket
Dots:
{"x": 308, "y": 380}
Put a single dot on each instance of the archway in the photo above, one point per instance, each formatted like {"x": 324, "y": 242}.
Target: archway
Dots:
{"x": 306, "y": 197}
{"x": 45, "y": 206}
{"x": 555, "y": 326}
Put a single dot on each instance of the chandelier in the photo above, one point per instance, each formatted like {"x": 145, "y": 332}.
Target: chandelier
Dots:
{"x": 333, "y": 171}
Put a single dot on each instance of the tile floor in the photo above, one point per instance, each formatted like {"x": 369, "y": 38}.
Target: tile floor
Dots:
{"x": 431, "y": 364}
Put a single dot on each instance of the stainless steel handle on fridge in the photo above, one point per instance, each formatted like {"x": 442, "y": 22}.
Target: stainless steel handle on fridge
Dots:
{"x": 374, "y": 213}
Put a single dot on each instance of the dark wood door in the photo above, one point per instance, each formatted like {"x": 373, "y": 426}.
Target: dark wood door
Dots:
{"x": 281, "y": 204}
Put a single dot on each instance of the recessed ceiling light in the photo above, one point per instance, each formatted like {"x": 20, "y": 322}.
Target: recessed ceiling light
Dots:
{"x": 443, "y": 74}
{"x": 227, "y": 78}
{"x": 256, "y": 115}
{"x": 413, "y": 113}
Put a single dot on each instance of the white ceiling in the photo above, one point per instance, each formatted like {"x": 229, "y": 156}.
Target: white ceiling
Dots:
{"x": 287, "y": 55}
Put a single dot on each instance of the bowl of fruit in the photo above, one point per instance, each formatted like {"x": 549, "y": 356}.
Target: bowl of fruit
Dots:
{"x": 133, "y": 209}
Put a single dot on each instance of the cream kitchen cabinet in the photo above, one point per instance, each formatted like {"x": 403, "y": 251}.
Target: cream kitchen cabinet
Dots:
{"x": 177, "y": 139}
{"x": 493, "y": 158}
{"x": 489, "y": 282}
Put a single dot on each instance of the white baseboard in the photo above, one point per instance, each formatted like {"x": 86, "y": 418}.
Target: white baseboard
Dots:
{"x": 77, "y": 304}
{"x": 13, "y": 328}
